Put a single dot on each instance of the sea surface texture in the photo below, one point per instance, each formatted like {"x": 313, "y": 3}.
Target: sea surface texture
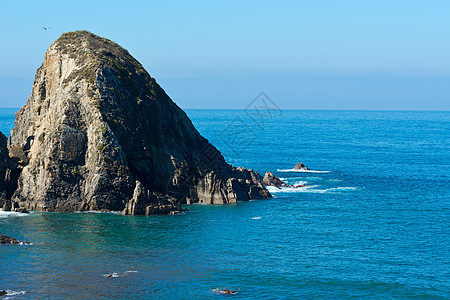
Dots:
{"x": 372, "y": 220}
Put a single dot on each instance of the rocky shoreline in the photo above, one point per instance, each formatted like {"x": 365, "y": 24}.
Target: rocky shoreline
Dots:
{"x": 99, "y": 133}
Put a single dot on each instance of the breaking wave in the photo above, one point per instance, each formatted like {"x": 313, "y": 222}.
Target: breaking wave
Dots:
{"x": 11, "y": 293}
{"x": 116, "y": 274}
{"x": 311, "y": 189}
{"x": 302, "y": 171}
{"x": 5, "y": 214}
{"x": 223, "y": 291}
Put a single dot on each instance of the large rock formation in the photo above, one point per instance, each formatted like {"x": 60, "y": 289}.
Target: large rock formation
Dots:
{"x": 98, "y": 133}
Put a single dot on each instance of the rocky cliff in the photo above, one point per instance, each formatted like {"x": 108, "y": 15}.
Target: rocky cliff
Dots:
{"x": 4, "y": 166}
{"x": 98, "y": 133}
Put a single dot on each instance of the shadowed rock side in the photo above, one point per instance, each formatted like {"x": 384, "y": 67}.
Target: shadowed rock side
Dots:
{"x": 98, "y": 133}
{"x": 8, "y": 178}
{"x": 4, "y": 166}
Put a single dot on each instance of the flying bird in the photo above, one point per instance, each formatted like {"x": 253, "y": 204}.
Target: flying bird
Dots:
{"x": 46, "y": 28}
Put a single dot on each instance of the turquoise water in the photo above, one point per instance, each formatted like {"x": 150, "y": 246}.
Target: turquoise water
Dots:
{"x": 374, "y": 226}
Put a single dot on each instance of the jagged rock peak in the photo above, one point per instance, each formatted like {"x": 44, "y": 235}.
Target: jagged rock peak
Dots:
{"x": 98, "y": 133}
{"x": 90, "y": 53}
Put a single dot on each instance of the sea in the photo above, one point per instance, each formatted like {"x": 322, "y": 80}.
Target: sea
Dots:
{"x": 371, "y": 220}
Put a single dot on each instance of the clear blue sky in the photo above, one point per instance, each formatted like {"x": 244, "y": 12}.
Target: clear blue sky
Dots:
{"x": 210, "y": 54}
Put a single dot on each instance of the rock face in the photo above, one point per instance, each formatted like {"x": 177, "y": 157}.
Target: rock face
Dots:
{"x": 4, "y": 166}
{"x": 300, "y": 166}
{"x": 98, "y": 133}
{"x": 148, "y": 203}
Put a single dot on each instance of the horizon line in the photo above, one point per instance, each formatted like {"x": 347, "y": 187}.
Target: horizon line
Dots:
{"x": 306, "y": 109}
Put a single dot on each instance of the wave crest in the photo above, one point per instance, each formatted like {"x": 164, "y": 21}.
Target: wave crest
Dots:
{"x": 302, "y": 171}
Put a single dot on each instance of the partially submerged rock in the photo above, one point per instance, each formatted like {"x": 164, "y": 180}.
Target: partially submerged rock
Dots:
{"x": 272, "y": 180}
{"x": 21, "y": 210}
{"x": 98, "y": 133}
{"x": 10, "y": 240}
{"x": 300, "y": 166}
{"x": 145, "y": 202}
{"x": 13, "y": 206}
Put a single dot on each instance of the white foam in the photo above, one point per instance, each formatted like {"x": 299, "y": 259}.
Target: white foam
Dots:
{"x": 301, "y": 182}
{"x": 116, "y": 274}
{"x": 302, "y": 171}
{"x": 221, "y": 291}
{"x": 256, "y": 218}
{"x": 311, "y": 189}
{"x": 5, "y": 214}
{"x": 98, "y": 212}
{"x": 25, "y": 244}
{"x": 13, "y": 293}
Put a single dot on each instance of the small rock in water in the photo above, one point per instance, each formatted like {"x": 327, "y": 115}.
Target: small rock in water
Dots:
{"x": 272, "y": 180}
{"x": 225, "y": 291}
{"x": 21, "y": 210}
{"x": 10, "y": 240}
{"x": 300, "y": 166}
{"x": 3, "y": 293}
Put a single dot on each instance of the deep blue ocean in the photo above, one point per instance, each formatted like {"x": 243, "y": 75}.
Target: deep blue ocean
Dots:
{"x": 371, "y": 223}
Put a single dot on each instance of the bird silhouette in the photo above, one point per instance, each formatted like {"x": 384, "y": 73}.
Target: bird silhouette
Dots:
{"x": 46, "y": 28}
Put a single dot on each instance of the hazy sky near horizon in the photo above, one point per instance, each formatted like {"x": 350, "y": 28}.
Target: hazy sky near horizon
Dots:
{"x": 388, "y": 55}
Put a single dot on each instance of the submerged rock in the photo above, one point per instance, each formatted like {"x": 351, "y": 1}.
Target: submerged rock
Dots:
{"x": 145, "y": 202}
{"x": 98, "y": 133}
{"x": 300, "y": 166}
